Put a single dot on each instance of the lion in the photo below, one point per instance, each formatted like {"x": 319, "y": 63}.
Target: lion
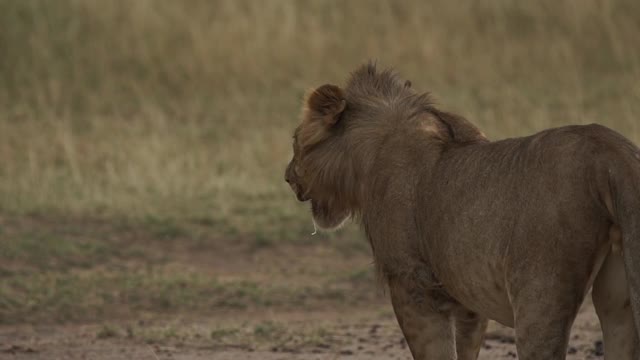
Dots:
{"x": 464, "y": 229}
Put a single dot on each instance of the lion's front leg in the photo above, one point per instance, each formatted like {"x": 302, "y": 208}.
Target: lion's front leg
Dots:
{"x": 470, "y": 330}
{"x": 429, "y": 331}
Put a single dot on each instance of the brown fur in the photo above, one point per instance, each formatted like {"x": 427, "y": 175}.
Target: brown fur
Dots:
{"x": 464, "y": 229}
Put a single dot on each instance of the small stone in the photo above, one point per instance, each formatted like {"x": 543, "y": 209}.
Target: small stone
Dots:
{"x": 507, "y": 340}
{"x": 599, "y": 348}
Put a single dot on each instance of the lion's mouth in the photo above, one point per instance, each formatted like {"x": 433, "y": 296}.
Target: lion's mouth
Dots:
{"x": 300, "y": 194}
{"x": 303, "y": 197}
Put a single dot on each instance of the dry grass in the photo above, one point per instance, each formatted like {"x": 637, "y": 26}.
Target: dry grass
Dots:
{"x": 150, "y": 137}
{"x": 184, "y": 109}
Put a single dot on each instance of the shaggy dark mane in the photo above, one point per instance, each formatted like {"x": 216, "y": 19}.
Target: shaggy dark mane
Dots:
{"x": 371, "y": 90}
{"x": 376, "y": 97}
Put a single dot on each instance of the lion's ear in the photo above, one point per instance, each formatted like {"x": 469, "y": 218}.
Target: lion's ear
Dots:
{"x": 326, "y": 104}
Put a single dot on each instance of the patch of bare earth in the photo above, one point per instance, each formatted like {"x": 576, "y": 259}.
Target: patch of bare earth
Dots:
{"x": 321, "y": 301}
{"x": 346, "y": 333}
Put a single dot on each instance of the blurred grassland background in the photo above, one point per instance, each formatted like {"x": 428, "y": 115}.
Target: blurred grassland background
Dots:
{"x": 179, "y": 115}
{"x": 184, "y": 109}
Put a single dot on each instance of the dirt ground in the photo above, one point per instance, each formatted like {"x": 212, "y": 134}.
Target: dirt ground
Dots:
{"x": 350, "y": 333}
{"x": 238, "y": 300}
{"x": 358, "y": 332}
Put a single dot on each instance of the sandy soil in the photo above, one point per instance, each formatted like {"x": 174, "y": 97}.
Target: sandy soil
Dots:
{"x": 328, "y": 306}
{"x": 348, "y": 334}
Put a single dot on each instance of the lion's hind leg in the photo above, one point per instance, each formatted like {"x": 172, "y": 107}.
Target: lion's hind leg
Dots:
{"x": 544, "y": 312}
{"x": 543, "y": 335}
{"x": 611, "y": 300}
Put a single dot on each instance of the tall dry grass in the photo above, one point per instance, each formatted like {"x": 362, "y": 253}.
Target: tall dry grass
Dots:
{"x": 184, "y": 109}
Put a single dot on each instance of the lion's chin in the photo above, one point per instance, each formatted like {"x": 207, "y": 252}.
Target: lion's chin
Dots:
{"x": 327, "y": 219}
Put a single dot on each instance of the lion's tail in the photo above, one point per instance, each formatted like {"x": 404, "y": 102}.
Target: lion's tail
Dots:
{"x": 624, "y": 181}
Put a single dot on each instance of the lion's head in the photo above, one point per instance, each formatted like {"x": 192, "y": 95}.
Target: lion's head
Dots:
{"x": 345, "y": 131}
{"x": 314, "y": 166}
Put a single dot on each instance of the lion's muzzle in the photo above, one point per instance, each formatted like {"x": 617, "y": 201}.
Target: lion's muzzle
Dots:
{"x": 289, "y": 177}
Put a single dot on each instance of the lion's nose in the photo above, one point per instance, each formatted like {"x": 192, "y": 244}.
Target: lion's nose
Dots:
{"x": 286, "y": 178}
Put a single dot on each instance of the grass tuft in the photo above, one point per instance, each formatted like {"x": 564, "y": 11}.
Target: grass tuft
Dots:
{"x": 107, "y": 331}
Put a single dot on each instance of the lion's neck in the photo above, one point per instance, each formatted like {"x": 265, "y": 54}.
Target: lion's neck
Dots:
{"x": 396, "y": 159}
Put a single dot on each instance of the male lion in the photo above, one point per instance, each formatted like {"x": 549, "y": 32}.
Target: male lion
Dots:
{"x": 464, "y": 229}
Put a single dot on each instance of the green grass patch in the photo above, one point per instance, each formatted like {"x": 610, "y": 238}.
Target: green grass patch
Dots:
{"x": 50, "y": 252}
{"x": 223, "y": 333}
{"x": 107, "y": 331}
{"x": 93, "y": 296}
{"x": 269, "y": 331}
